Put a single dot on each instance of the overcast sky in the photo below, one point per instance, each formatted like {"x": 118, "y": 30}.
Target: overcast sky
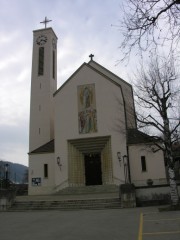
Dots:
{"x": 82, "y": 27}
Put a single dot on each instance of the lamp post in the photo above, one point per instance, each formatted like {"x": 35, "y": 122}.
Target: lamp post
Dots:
{"x": 119, "y": 157}
{"x": 59, "y": 163}
{"x": 125, "y": 162}
{"x": 6, "y": 174}
{"x": 1, "y": 175}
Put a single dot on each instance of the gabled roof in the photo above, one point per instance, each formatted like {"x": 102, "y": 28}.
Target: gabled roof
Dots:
{"x": 84, "y": 64}
{"x": 46, "y": 148}
{"x": 90, "y": 66}
{"x": 107, "y": 72}
{"x": 134, "y": 136}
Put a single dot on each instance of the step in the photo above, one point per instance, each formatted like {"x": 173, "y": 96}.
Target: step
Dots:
{"x": 97, "y": 189}
{"x": 66, "y": 205}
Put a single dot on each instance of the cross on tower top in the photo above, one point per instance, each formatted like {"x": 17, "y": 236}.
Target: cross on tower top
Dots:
{"x": 46, "y": 20}
{"x": 91, "y": 56}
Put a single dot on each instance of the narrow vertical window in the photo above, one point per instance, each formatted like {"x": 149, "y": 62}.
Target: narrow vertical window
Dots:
{"x": 143, "y": 163}
{"x": 41, "y": 61}
{"x": 46, "y": 170}
{"x": 53, "y": 68}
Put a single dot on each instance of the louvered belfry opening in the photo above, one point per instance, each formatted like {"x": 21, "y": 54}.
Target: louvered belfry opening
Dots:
{"x": 90, "y": 161}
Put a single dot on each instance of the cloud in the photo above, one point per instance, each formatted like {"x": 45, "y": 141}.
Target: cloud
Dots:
{"x": 15, "y": 152}
{"x": 82, "y": 27}
{"x": 14, "y": 142}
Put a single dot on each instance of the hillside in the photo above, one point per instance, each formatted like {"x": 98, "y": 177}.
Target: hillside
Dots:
{"x": 17, "y": 173}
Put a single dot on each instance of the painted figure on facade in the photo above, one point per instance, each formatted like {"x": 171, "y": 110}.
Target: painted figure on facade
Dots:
{"x": 87, "y": 97}
{"x": 87, "y": 109}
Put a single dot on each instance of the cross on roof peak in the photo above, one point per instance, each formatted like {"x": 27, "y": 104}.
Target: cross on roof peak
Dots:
{"x": 46, "y": 20}
{"x": 91, "y": 56}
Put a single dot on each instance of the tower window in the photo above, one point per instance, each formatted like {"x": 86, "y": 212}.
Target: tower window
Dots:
{"x": 46, "y": 170}
{"x": 143, "y": 163}
{"x": 53, "y": 69}
{"x": 41, "y": 61}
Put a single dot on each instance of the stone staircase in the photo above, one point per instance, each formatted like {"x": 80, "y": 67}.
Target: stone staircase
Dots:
{"x": 97, "y": 189}
{"x": 71, "y": 198}
{"x": 66, "y": 205}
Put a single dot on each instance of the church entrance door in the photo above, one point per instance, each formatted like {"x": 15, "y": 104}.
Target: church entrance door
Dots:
{"x": 93, "y": 172}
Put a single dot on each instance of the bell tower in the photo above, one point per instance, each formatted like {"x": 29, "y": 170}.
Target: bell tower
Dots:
{"x": 43, "y": 86}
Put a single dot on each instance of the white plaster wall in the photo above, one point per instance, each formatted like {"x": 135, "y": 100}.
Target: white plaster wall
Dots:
{"x": 154, "y": 164}
{"x": 127, "y": 93}
{"x": 36, "y": 170}
{"x": 154, "y": 193}
{"x": 42, "y": 90}
{"x": 110, "y": 118}
{"x": 148, "y": 193}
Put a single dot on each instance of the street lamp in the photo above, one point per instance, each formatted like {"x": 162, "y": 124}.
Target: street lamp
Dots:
{"x": 119, "y": 157}
{"x": 125, "y": 162}
{"x": 59, "y": 162}
{"x": 6, "y": 171}
{"x": 1, "y": 175}
{"x": 6, "y": 174}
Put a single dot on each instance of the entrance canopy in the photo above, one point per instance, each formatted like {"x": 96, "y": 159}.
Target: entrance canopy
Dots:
{"x": 85, "y": 155}
{"x": 90, "y": 145}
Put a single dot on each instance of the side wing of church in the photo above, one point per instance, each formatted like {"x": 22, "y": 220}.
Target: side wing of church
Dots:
{"x": 84, "y": 133}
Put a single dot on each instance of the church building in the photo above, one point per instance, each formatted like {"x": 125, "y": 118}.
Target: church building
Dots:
{"x": 84, "y": 133}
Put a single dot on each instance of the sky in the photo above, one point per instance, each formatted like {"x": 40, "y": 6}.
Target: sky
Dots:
{"x": 82, "y": 27}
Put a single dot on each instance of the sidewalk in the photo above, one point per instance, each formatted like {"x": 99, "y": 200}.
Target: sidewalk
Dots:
{"x": 117, "y": 224}
{"x": 70, "y": 225}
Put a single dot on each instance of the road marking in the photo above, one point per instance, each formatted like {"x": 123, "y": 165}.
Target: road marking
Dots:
{"x": 162, "y": 219}
{"x": 159, "y": 233}
{"x": 142, "y": 220}
{"x": 140, "y": 227}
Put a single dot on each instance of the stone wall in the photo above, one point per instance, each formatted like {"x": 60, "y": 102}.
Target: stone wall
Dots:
{"x": 7, "y": 198}
{"x": 153, "y": 195}
{"x": 127, "y": 195}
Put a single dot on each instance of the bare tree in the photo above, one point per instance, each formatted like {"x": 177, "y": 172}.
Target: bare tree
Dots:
{"x": 149, "y": 23}
{"x": 157, "y": 91}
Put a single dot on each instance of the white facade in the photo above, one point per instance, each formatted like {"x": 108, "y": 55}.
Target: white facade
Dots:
{"x": 154, "y": 169}
{"x": 46, "y": 183}
{"x": 43, "y": 85}
{"x": 83, "y": 127}
{"x": 110, "y": 118}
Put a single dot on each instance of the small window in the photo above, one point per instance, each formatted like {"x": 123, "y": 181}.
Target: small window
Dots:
{"x": 41, "y": 61}
{"x": 143, "y": 163}
{"x": 46, "y": 170}
{"x": 53, "y": 69}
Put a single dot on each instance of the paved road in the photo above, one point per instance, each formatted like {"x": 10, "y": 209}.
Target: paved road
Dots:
{"x": 156, "y": 225}
{"x": 120, "y": 224}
